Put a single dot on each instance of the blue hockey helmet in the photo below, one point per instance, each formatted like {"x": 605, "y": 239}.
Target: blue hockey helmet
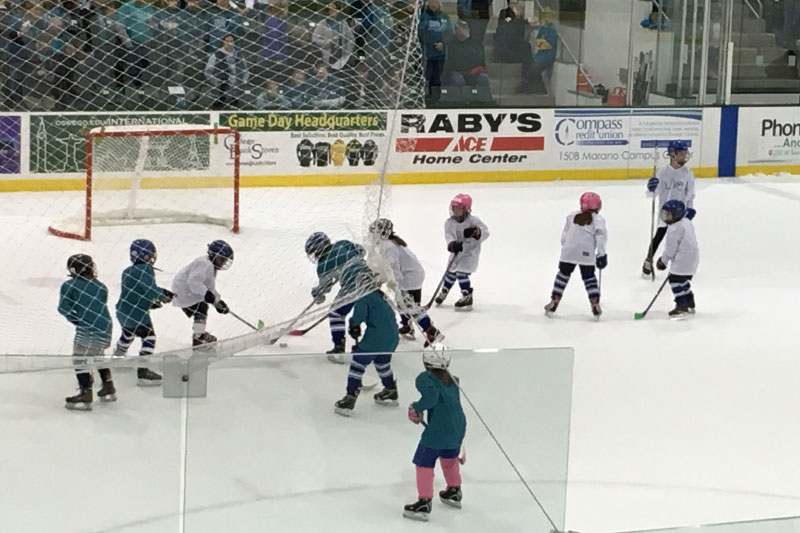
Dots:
{"x": 143, "y": 251}
{"x": 317, "y": 245}
{"x": 221, "y": 254}
{"x": 672, "y": 211}
{"x": 677, "y": 146}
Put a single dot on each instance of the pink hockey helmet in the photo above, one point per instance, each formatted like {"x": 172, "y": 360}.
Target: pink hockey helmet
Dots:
{"x": 462, "y": 200}
{"x": 590, "y": 201}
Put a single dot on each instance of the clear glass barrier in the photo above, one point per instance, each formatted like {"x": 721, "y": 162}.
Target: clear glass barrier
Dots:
{"x": 775, "y": 525}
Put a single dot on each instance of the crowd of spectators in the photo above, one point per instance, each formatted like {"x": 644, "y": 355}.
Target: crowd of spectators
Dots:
{"x": 269, "y": 54}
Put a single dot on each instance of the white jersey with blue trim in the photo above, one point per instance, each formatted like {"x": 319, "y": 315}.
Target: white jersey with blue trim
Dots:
{"x": 467, "y": 260}
{"x": 680, "y": 249}
{"x": 674, "y": 184}
{"x": 406, "y": 268}
{"x": 193, "y": 281}
{"x": 580, "y": 245}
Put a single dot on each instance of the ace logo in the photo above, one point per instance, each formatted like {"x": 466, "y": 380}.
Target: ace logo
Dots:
{"x": 470, "y": 144}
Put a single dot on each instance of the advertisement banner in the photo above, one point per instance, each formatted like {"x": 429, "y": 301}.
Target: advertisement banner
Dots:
{"x": 308, "y": 142}
{"x": 10, "y": 149}
{"x": 771, "y": 135}
{"x": 58, "y": 142}
{"x": 448, "y": 140}
{"x": 622, "y": 138}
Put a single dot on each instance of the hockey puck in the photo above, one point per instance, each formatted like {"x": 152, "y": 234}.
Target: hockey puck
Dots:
{"x": 283, "y": 345}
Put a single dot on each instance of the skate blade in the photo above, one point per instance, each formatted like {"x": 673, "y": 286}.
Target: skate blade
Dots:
{"x": 409, "y": 336}
{"x": 148, "y": 382}
{"x": 336, "y": 358}
{"x": 421, "y": 517}
{"x": 464, "y": 309}
{"x": 368, "y": 385}
{"x": 597, "y": 318}
{"x": 78, "y": 406}
{"x": 648, "y": 277}
{"x": 451, "y": 503}
{"x": 388, "y": 403}
{"x": 343, "y": 412}
{"x": 108, "y": 398}
{"x": 549, "y": 314}
{"x": 680, "y": 317}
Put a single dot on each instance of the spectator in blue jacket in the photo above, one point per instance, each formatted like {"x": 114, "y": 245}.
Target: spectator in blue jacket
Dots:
{"x": 546, "y": 45}
{"x": 435, "y": 31}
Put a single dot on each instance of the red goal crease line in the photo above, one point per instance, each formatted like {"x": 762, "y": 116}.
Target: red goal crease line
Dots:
{"x": 440, "y": 144}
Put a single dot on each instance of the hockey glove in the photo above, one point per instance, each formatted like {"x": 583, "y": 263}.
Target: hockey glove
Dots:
{"x": 601, "y": 261}
{"x": 652, "y": 184}
{"x": 455, "y": 247}
{"x": 472, "y": 233}
{"x": 690, "y": 213}
{"x": 660, "y": 265}
{"x": 168, "y": 296}
{"x": 210, "y": 298}
{"x": 221, "y": 307}
{"x": 355, "y": 331}
{"x": 413, "y": 415}
{"x": 318, "y": 293}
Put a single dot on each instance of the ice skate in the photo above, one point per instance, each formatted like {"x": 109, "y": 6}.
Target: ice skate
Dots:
{"x": 680, "y": 312}
{"x": 550, "y": 309}
{"x": 407, "y": 331}
{"x": 432, "y": 335}
{"x": 596, "y": 309}
{"x": 81, "y": 401}
{"x": 647, "y": 268}
{"x": 107, "y": 392}
{"x": 336, "y": 354}
{"x": 420, "y": 510}
{"x": 387, "y": 396}
{"x": 345, "y": 406}
{"x": 465, "y": 303}
{"x": 202, "y": 341}
{"x": 690, "y": 304}
{"x": 147, "y": 378}
{"x": 451, "y": 497}
{"x": 442, "y": 296}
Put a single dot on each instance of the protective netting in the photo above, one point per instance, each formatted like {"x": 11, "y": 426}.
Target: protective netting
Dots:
{"x": 109, "y": 55}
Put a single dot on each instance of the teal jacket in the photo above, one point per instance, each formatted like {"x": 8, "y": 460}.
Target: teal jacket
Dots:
{"x": 343, "y": 263}
{"x": 139, "y": 292}
{"x": 381, "y": 334}
{"x": 447, "y": 424}
{"x": 83, "y": 303}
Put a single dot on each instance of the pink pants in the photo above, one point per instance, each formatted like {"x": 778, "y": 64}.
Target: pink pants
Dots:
{"x": 452, "y": 476}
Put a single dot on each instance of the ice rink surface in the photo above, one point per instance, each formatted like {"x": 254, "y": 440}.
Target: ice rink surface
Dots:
{"x": 672, "y": 423}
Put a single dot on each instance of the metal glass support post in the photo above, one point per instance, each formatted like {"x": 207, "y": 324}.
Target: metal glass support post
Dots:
{"x": 701, "y": 95}
{"x": 629, "y": 92}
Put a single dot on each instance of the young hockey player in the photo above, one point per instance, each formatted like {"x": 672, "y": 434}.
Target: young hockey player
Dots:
{"x": 583, "y": 243}
{"x": 409, "y": 276}
{"x": 83, "y": 302}
{"x": 465, "y": 233}
{"x": 138, "y": 295}
{"x": 681, "y": 254}
{"x": 379, "y": 342}
{"x": 194, "y": 289}
{"x": 674, "y": 182}
{"x": 443, "y": 434}
{"x": 340, "y": 262}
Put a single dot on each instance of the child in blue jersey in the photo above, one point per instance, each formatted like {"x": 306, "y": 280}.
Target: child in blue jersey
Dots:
{"x": 443, "y": 433}
{"x": 379, "y": 342}
{"x": 139, "y": 294}
{"x": 83, "y": 302}
{"x": 340, "y": 262}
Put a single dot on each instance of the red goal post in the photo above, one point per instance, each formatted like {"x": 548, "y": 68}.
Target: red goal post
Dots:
{"x": 212, "y": 164}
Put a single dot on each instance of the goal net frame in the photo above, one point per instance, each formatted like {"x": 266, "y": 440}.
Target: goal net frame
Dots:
{"x": 143, "y": 216}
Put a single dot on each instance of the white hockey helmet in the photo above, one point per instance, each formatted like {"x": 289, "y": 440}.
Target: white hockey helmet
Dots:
{"x": 436, "y": 355}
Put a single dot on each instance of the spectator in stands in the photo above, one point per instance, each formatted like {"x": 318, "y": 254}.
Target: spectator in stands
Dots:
{"x": 303, "y": 52}
{"x": 546, "y": 45}
{"x": 477, "y": 14}
{"x": 270, "y": 97}
{"x": 171, "y": 45}
{"x": 69, "y": 92}
{"x": 297, "y": 91}
{"x": 227, "y": 73}
{"x": 511, "y": 39}
{"x": 222, "y": 20}
{"x": 376, "y": 27}
{"x": 362, "y": 91}
{"x": 334, "y": 37}
{"x": 78, "y": 16}
{"x": 435, "y": 31}
{"x": 397, "y": 92}
{"x": 325, "y": 90}
{"x": 275, "y": 42}
{"x": 138, "y": 18}
{"x": 39, "y": 75}
{"x": 465, "y": 64}
{"x": 111, "y": 48}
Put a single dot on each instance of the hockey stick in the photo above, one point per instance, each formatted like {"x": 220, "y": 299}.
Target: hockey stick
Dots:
{"x": 258, "y": 327}
{"x": 301, "y": 332}
{"x": 297, "y": 319}
{"x": 441, "y": 281}
{"x": 638, "y": 316}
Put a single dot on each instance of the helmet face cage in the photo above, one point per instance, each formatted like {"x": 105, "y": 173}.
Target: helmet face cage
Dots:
{"x": 315, "y": 245}
{"x": 221, "y": 255}
{"x": 459, "y": 212}
{"x": 143, "y": 250}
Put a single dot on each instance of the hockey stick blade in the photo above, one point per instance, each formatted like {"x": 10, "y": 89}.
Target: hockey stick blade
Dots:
{"x": 301, "y": 332}
{"x": 441, "y": 282}
{"x": 639, "y": 316}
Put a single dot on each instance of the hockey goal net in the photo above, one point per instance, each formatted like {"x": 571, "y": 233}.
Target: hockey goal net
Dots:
{"x": 157, "y": 175}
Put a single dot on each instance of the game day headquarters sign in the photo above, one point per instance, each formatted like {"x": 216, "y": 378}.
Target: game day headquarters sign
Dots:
{"x": 310, "y": 142}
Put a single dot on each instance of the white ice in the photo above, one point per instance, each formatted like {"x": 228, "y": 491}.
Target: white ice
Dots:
{"x": 672, "y": 423}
